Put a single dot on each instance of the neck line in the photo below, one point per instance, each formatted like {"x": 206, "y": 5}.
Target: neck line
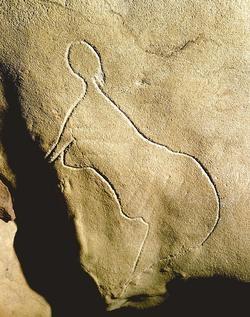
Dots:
{"x": 93, "y": 85}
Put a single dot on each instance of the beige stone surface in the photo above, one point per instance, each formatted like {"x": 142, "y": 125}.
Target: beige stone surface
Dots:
{"x": 17, "y": 299}
{"x": 6, "y": 205}
{"x": 140, "y": 110}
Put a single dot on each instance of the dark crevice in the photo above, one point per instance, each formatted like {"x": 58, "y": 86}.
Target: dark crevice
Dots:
{"x": 45, "y": 242}
{"x": 214, "y": 297}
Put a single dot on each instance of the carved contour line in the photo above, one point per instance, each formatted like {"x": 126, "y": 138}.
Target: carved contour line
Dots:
{"x": 116, "y": 195}
{"x": 137, "y": 130}
{"x": 71, "y": 109}
{"x": 194, "y": 159}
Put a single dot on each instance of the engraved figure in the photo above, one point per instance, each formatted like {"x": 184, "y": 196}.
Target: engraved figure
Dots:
{"x": 168, "y": 194}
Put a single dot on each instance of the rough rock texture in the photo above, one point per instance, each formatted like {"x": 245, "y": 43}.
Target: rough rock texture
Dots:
{"x": 6, "y": 205}
{"x": 125, "y": 132}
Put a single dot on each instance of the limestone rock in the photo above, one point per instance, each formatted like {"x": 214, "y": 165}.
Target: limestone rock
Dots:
{"x": 6, "y": 207}
{"x": 130, "y": 122}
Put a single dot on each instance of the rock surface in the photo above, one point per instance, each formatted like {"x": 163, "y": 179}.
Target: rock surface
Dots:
{"x": 125, "y": 129}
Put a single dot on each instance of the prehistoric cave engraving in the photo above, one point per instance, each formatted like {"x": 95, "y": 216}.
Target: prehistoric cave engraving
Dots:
{"x": 115, "y": 196}
{"x": 103, "y": 228}
{"x": 6, "y": 207}
{"x": 169, "y": 192}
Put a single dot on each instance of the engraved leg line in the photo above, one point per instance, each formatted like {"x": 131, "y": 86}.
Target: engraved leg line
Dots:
{"x": 193, "y": 158}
